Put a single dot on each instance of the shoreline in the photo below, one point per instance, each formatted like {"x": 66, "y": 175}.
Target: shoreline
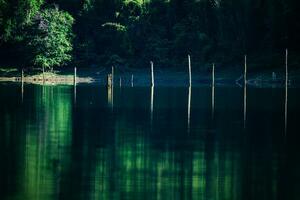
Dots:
{"x": 47, "y": 79}
{"x": 263, "y": 79}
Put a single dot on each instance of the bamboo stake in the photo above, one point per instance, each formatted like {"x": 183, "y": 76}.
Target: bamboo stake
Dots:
{"x": 190, "y": 71}
{"x": 131, "y": 80}
{"x": 152, "y": 74}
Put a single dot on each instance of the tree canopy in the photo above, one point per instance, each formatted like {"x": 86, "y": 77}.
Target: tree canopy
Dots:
{"x": 132, "y": 32}
{"x": 50, "y": 38}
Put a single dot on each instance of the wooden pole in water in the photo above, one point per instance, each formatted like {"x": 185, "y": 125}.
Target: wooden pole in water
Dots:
{"x": 189, "y": 108}
{"x": 152, "y": 74}
{"x": 151, "y": 104}
{"x": 112, "y": 76}
{"x": 112, "y": 88}
{"x": 245, "y": 105}
{"x": 213, "y": 75}
{"x": 43, "y": 74}
{"x": 22, "y": 76}
{"x": 213, "y": 91}
{"x": 74, "y": 83}
{"x": 120, "y": 82}
{"x": 190, "y": 71}
{"x": 245, "y": 72}
{"x": 286, "y": 67}
{"x": 22, "y": 85}
{"x": 75, "y": 76}
{"x": 131, "y": 80}
{"x": 108, "y": 81}
{"x": 286, "y": 91}
{"x": 245, "y": 92}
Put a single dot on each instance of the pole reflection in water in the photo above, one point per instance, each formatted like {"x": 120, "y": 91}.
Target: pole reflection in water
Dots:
{"x": 245, "y": 91}
{"x": 47, "y": 154}
{"x": 22, "y": 91}
{"x": 286, "y": 109}
{"x": 110, "y": 96}
{"x": 152, "y": 104}
{"x": 75, "y": 93}
{"x": 286, "y": 92}
{"x": 213, "y": 92}
{"x": 189, "y": 108}
{"x": 213, "y": 101}
{"x": 245, "y": 105}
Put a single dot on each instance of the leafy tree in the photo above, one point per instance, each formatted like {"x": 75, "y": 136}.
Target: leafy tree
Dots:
{"x": 15, "y": 15}
{"x": 135, "y": 31}
{"x": 50, "y": 38}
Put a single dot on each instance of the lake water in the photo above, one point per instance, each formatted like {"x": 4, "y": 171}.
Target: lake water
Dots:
{"x": 148, "y": 143}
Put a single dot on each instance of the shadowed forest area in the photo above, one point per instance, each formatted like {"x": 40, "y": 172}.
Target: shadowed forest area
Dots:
{"x": 130, "y": 33}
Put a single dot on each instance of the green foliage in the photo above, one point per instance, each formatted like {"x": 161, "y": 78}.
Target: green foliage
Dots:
{"x": 50, "y": 38}
{"x": 116, "y": 26}
{"x": 135, "y": 31}
{"x": 14, "y": 15}
{"x": 27, "y": 9}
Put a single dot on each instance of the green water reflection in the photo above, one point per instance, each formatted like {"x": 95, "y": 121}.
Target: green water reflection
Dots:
{"x": 44, "y": 136}
{"x": 54, "y": 147}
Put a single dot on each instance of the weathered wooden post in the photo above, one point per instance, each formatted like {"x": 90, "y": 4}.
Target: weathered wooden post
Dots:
{"x": 213, "y": 92}
{"x": 74, "y": 84}
{"x": 22, "y": 85}
{"x": 22, "y": 76}
{"x": 245, "y": 70}
{"x": 286, "y": 67}
{"x": 75, "y": 76}
{"x": 245, "y": 91}
{"x": 109, "y": 95}
{"x": 109, "y": 81}
{"x": 286, "y": 92}
{"x": 43, "y": 74}
{"x": 213, "y": 75}
{"x": 152, "y": 74}
{"x": 112, "y": 76}
{"x": 110, "y": 91}
{"x": 190, "y": 71}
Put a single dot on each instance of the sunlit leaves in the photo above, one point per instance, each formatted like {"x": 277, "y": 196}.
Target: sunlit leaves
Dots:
{"x": 50, "y": 37}
{"x": 118, "y": 27}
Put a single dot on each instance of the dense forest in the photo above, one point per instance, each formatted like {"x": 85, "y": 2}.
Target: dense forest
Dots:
{"x": 97, "y": 33}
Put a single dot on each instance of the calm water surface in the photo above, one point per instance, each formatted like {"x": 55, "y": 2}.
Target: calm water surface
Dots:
{"x": 142, "y": 143}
